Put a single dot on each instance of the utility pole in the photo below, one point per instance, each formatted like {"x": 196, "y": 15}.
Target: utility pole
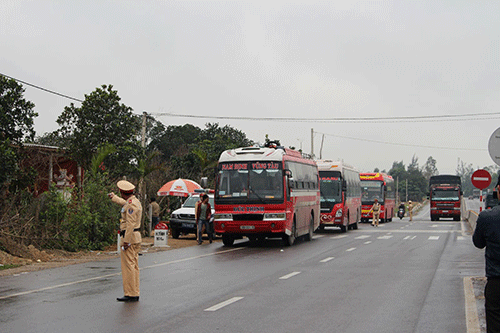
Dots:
{"x": 406, "y": 189}
{"x": 398, "y": 200}
{"x": 312, "y": 143}
{"x": 321, "y": 149}
{"x": 142, "y": 185}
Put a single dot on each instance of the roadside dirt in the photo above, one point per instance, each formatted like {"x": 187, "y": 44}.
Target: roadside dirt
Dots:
{"x": 29, "y": 259}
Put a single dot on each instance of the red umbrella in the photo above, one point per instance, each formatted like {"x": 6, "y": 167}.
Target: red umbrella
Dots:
{"x": 179, "y": 188}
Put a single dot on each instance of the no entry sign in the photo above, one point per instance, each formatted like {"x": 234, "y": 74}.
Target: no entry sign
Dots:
{"x": 481, "y": 179}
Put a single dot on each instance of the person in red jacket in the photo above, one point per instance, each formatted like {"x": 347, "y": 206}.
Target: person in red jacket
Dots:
{"x": 203, "y": 212}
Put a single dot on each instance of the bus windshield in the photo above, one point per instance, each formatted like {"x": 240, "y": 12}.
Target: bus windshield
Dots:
{"x": 443, "y": 195}
{"x": 371, "y": 190}
{"x": 250, "y": 182}
{"x": 330, "y": 186}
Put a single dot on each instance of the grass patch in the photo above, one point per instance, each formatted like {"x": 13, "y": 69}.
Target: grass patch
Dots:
{"x": 2, "y": 267}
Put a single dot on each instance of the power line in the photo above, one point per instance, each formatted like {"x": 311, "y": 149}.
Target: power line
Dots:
{"x": 440, "y": 118}
{"x": 399, "y": 144}
{"x": 47, "y": 90}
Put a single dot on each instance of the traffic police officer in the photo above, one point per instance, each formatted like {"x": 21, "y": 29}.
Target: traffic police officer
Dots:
{"x": 376, "y": 213}
{"x": 410, "y": 210}
{"x": 130, "y": 241}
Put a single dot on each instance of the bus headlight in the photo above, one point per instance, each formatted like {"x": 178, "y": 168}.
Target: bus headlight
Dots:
{"x": 223, "y": 217}
{"x": 274, "y": 216}
{"x": 338, "y": 213}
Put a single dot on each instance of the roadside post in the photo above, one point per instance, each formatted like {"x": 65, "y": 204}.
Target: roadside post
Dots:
{"x": 161, "y": 235}
{"x": 481, "y": 179}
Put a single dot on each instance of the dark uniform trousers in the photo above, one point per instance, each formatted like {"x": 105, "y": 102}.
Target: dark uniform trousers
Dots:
{"x": 492, "y": 304}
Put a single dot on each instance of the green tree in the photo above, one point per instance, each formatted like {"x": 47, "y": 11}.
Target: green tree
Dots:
{"x": 430, "y": 168}
{"x": 101, "y": 119}
{"x": 465, "y": 172}
{"x": 16, "y": 126}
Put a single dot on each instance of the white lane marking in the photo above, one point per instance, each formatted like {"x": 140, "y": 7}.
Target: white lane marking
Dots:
{"x": 351, "y": 249}
{"x": 433, "y": 237}
{"x": 367, "y": 242}
{"x": 434, "y": 225}
{"x": 374, "y": 230}
{"x": 327, "y": 259}
{"x": 362, "y": 237}
{"x": 471, "y": 316}
{"x": 115, "y": 274}
{"x": 385, "y": 237}
{"x": 460, "y": 237}
{"x": 223, "y": 304}
{"x": 318, "y": 236}
{"x": 406, "y": 237}
{"x": 339, "y": 236}
{"x": 285, "y": 277}
{"x": 414, "y": 237}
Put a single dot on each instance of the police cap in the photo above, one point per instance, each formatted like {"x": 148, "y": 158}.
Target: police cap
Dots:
{"x": 125, "y": 186}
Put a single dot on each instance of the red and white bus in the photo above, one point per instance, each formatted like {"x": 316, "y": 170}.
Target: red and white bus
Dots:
{"x": 340, "y": 189}
{"x": 378, "y": 186}
{"x": 264, "y": 192}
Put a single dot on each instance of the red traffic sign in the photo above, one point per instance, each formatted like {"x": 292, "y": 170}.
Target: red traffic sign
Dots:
{"x": 481, "y": 179}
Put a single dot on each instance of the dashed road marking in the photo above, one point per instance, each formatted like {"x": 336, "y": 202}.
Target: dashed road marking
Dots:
{"x": 385, "y": 237}
{"x": 285, "y": 277}
{"x": 367, "y": 242}
{"x": 327, "y": 259}
{"x": 406, "y": 237}
{"x": 460, "y": 237}
{"x": 351, "y": 249}
{"x": 362, "y": 237}
{"x": 318, "y": 236}
{"x": 338, "y": 237}
{"x": 433, "y": 237}
{"x": 223, "y": 304}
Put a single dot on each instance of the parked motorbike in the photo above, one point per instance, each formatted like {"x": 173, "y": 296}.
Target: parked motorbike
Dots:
{"x": 401, "y": 213}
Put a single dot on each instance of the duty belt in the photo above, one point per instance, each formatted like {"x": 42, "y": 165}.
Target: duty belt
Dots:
{"x": 122, "y": 232}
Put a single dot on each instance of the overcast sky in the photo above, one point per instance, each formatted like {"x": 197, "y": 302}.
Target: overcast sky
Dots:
{"x": 263, "y": 59}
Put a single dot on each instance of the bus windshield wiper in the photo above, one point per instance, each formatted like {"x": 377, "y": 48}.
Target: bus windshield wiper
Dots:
{"x": 258, "y": 196}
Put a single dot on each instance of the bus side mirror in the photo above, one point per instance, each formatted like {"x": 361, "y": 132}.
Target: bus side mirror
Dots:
{"x": 204, "y": 182}
{"x": 288, "y": 173}
{"x": 344, "y": 186}
{"x": 291, "y": 182}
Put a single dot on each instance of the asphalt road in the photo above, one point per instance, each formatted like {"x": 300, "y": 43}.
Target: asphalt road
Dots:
{"x": 401, "y": 277}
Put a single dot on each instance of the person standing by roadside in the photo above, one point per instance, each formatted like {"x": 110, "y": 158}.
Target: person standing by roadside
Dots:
{"x": 487, "y": 234}
{"x": 130, "y": 241}
{"x": 203, "y": 212}
{"x": 376, "y": 213}
{"x": 410, "y": 210}
{"x": 155, "y": 213}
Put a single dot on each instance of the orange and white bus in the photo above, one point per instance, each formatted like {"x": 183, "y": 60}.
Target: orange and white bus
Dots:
{"x": 378, "y": 186}
{"x": 340, "y": 189}
{"x": 264, "y": 192}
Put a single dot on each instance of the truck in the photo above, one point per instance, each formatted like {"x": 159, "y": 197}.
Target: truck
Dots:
{"x": 445, "y": 197}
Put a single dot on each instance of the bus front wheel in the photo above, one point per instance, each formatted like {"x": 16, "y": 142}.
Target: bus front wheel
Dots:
{"x": 309, "y": 236}
{"x": 227, "y": 240}
{"x": 290, "y": 239}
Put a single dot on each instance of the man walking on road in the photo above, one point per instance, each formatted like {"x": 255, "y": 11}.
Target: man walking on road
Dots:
{"x": 130, "y": 224}
{"x": 487, "y": 234}
{"x": 410, "y": 210}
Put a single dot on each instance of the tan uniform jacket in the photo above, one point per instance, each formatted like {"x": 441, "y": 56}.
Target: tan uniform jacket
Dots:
{"x": 131, "y": 218}
{"x": 375, "y": 208}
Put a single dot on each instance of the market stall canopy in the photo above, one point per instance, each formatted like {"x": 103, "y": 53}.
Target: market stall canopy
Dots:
{"x": 179, "y": 188}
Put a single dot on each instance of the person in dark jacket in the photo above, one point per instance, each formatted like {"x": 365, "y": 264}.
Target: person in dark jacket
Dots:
{"x": 203, "y": 212}
{"x": 487, "y": 234}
